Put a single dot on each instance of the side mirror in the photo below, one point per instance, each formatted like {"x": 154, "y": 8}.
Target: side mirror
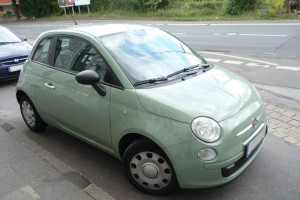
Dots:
{"x": 90, "y": 77}
{"x": 87, "y": 77}
{"x": 24, "y": 38}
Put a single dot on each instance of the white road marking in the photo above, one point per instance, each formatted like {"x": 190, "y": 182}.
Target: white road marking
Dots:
{"x": 212, "y": 60}
{"x": 240, "y": 24}
{"x": 250, "y": 64}
{"x": 262, "y": 35}
{"x": 179, "y": 33}
{"x": 217, "y": 34}
{"x": 259, "y": 24}
{"x": 257, "y": 65}
{"x": 233, "y": 62}
{"x": 288, "y": 68}
{"x": 187, "y": 24}
{"x": 249, "y": 59}
{"x": 159, "y": 24}
{"x": 232, "y": 34}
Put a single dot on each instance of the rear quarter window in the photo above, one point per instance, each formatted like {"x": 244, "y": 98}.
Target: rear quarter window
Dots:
{"x": 42, "y": 52}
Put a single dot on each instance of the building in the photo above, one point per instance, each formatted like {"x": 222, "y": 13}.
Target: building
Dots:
{"x": 6, "y": 6}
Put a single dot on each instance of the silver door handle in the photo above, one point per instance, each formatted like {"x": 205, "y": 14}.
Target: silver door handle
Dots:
{"x": 49, "y": 85}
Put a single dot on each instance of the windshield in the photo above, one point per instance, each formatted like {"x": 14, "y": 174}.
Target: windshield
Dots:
{"x": 8, "y": 37}
{"x": 149, "y": 53}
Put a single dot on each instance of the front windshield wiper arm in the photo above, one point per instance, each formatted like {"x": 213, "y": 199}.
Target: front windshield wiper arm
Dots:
{"x": 4, "y": 43}
{"x": 188, "y": 69}
{"x": 152, "y": 80}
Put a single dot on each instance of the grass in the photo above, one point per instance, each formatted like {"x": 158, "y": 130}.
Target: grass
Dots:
{"x": 179, "y": 14}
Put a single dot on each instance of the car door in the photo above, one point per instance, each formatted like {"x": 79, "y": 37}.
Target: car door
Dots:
{"x": 78, "y": 109}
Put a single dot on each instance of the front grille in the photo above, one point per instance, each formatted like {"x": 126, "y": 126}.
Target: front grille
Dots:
{"x": 229, "y": 170}
{"x": 14, "y": 60}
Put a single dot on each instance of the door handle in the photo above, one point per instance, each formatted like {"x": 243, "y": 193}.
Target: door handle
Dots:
{"x": 49, "y": 85}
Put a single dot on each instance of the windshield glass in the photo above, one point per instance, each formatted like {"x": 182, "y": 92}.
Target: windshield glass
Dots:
{"x": 149, "y": 53}
{"x": 8, "y": 37}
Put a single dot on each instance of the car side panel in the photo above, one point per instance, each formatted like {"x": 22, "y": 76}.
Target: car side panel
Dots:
{"x": 78, "y": 109}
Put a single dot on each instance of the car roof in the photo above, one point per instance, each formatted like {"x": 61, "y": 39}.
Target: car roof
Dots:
{"x": 98, "y": 30}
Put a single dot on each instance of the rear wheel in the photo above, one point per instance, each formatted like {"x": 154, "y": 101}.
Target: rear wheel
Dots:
{"x": 30, "y": 115}
{"x": 148, "y": 168}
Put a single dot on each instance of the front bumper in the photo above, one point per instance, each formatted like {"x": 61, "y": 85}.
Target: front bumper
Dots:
{"x": 6, "y": 75}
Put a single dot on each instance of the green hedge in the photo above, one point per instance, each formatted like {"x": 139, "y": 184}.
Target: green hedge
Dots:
{"x": 235, "y": 7}
{"x": 36, "y": 8}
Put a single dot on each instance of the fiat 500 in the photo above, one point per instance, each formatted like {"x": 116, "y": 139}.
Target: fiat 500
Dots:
{"x": 145, "y": 97}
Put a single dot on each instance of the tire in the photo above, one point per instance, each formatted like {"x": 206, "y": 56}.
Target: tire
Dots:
{"x": 30, "y": 115}
{"x": 148, "y": 168}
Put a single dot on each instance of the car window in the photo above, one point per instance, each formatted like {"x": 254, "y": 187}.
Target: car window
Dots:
{"x": 75, "y": 55}
{"x": 149, "y": 53}
{"x": 42, "y": 52}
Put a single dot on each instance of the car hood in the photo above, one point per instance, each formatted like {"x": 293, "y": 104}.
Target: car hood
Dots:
{"x": 217, "y": 94}
{"x": 14, "y": 50}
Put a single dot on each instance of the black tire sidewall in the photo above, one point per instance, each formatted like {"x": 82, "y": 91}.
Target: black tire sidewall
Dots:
{"x": 39, "y": 123}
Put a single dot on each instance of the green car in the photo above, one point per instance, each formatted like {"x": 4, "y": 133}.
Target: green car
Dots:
{"x": 145, "y": 97}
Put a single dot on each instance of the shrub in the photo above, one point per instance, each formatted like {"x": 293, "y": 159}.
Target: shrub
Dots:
{"x": 149, "y": 5}
{"x": 235, "y": 7}
{"x": 34, "y": 8}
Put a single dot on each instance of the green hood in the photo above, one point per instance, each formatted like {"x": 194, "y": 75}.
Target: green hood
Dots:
{"x": 217, "y": 94}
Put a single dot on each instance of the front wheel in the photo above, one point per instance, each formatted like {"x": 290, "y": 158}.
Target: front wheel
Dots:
{"x": 148, "y": 168}
{"x": 30, "y": 115}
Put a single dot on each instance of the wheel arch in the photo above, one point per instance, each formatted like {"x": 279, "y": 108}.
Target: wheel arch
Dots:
{"x": 19, "y": 94}
{"x": 127, "y": 139}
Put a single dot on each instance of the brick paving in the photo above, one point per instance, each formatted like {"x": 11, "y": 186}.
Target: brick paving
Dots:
{"x": 284, "y": 124}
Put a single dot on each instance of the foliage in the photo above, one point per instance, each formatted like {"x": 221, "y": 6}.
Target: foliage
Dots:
{"x": 149, "y": 5}
{"x": 236, "y": 7}
{"x": 129, "y": 5}
{"x": 211, "y": 5}
{"x": 278, "y": 7}
{"x": 36, "y": 8}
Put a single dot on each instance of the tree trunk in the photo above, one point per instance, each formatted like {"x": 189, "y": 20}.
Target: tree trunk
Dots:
{"x": 15, "y": 9}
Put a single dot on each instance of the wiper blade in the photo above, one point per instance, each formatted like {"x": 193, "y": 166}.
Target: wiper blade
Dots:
{"x": 152, "y": 80}
{"x": 188, "y": 69}
{"x": 4, "y": 43}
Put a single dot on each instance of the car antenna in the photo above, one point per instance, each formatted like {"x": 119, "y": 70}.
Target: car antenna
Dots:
{"x": 72, "y": 16}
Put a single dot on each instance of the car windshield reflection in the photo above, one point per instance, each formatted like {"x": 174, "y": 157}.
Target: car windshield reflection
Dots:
{"x": 149, "y": 53}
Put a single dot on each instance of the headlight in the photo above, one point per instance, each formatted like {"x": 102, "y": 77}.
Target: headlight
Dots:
{"x": 206, "y": 129}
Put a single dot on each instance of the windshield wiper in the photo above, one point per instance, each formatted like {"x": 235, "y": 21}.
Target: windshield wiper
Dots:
{"x": 4, "y": 43}
{"x": 152, "y": 80}
{"x": 189, "y": 68}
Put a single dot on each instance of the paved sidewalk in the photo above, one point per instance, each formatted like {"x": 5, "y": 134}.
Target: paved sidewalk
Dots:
{"x": 29, "y": 172}
{"x": 284, "y": 124}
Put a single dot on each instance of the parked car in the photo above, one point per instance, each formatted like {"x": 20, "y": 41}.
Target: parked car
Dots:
{"x": 145, "y": 97}
{"x": 13, "y": 54}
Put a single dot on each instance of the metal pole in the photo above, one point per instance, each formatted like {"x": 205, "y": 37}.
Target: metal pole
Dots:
{"x": 73, "y": 10}
{"x": 79, "y": 10}
{"x": 65, "y": 11}
{"x": 88, "y": 9}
